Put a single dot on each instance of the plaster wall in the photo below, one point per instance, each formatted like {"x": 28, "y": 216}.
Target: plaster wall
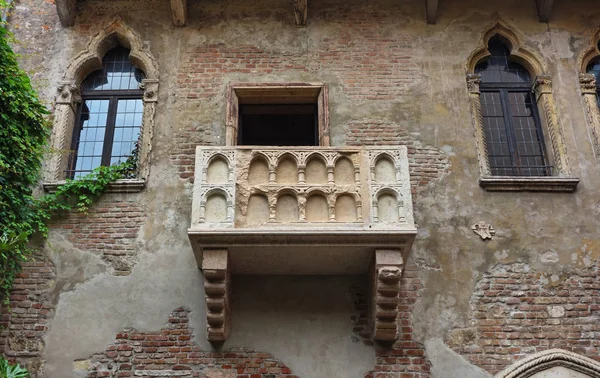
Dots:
{"x": 392, "y": 79}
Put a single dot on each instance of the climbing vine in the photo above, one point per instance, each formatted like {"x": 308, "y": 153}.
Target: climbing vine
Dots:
{"x": 24, "y": 130}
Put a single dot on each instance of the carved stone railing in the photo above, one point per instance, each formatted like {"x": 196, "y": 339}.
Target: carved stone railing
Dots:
{"x": 305, "y": 210}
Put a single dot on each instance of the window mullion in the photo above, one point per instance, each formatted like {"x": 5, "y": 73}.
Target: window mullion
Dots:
{"x": 510, "y": 132}
{"x": 110, "y": 131}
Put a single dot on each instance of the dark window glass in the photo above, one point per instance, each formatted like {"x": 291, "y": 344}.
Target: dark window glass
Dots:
{"x": 594, "y": 69}
{"x": 117, "y": 73}
{"x": 511, "y": 125}
{"x": 278, "y": 125}
{"x": 110, "y": 115}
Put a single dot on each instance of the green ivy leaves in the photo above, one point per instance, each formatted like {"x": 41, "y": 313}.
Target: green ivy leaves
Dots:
{"x": 24, "y": 129}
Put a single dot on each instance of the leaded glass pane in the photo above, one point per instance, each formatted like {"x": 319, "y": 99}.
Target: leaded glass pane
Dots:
{"x": 117, "y": 73}
{"x": 499, "y": 69}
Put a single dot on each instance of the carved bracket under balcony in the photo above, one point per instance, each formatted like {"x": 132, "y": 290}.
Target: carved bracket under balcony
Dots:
{"x": 215, "y": 266}
{"x": 385, "y": 280}
{"x": 304, "y": 211}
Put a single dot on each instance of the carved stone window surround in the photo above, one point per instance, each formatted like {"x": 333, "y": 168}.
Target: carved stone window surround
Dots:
{"x": 548, "y": 359}
{"x": 276, "y": 93}
{"x": 589, "y": 89}
{"x": 68, "y": 99}
{"x": 562, "y": 180}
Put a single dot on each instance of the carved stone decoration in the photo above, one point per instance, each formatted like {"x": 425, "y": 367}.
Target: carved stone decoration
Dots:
{"x": 301, "y": 12}
{"x": 484, "y": 230}
{"x": 589, "y": 92}
{"x": 541, "y": 361}
{"x": 217, "y": 279}
{"x": 385, "y": 280}
{"x": 86, "y": 62}
{"x": 542, "y": 86}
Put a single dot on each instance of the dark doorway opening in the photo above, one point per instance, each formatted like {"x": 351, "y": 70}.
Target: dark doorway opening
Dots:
{"x": 278, "y": 125}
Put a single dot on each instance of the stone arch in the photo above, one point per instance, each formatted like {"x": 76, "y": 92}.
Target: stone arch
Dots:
{"x": 522, "y": 55}
{"x": 538, "y": 362}
{"x": 590, "y": 52}
{"x": 115, "y": 33}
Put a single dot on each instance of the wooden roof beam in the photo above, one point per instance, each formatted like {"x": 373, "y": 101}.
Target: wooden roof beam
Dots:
{"x": 301, "y": 12}
{"x": 431, "y": 10}
{"x": 67, "y": 10}
{"x": 179, "y": 12}
{"x": 544, "y": 9}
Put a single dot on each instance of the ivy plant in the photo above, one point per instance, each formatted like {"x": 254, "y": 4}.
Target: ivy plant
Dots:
{"x": 11, "y": 371}
{"x": 24, "y": 130}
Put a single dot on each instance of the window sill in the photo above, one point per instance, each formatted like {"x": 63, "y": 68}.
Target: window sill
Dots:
{"x": 528, "y": 184}
{"x": 119, "y": 186}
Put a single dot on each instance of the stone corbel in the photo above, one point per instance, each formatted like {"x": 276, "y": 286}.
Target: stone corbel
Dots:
{"x": 68, "y": 94}
{"x": 67, "y": 100}
{"x": 217, "y": 278}
{"x": 385, "y": 280}
{"x": 150, "y": 87}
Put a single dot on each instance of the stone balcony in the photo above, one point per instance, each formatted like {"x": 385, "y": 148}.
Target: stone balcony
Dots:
{"x": 299, "y": 211}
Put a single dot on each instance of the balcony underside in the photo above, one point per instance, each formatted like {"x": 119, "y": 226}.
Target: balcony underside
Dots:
{"x": 301, "y": 252}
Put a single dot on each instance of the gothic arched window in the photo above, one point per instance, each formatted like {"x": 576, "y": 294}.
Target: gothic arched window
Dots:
{"x": 109, "y": 118}
{"x": 594, "y": 68}
{"x": 511, "y": 124}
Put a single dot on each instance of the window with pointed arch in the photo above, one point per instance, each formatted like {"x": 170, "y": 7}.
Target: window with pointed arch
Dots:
{"x": 511, "y": 123}
{"x": 109, "y": 117}
{"x": 593, "y": 68}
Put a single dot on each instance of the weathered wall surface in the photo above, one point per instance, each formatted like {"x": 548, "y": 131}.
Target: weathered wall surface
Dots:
{"x": 392, "y": 79}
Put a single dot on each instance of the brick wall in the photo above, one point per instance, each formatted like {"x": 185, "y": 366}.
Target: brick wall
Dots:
{"x": 172, "y": 352}
{"x": 426, "y": 163}
{"x": 109, "y": 229}
{"x": 405, "y": 358}
{"x": 518, "y": 311}
{"x": 24, "y": 322}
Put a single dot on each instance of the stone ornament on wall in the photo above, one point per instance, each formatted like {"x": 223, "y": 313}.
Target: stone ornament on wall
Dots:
{"x": 484, "y": 230}
{"x": 67, "y": 100}
{"x": 538, "y": 362}
{"x": 542, "y": 87}
{"x": 244, "y": 187}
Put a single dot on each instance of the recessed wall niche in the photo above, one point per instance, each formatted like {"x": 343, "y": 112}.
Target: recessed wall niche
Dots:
{"x": 344, "y": 171}
{"x": 218, "y": 171}
{"x": 258, "y": 210}
{"x": 259, "y": 171}
{"x": 345, "y": 208}
{"x": 385, "y": 172}
{"x": 287, "y": 208}
{"x": 287, "y": 171}
{"x": 387, "y": 208}
{"x": 316, "y": 171}
{"x": 216, "y": 208}
{"x": 317, "y": 209}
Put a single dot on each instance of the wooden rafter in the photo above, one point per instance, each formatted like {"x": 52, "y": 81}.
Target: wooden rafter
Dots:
{"x": 179, "y": 12}
{"x": 544, "y": 9}
{"x": 301, "y": 12}
{"x": 431, "y": 10}
{"x": 67, "y": 10}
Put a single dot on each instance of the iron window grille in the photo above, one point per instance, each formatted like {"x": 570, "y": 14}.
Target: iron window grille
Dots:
{"x": 511, "y": 123}
{"x": 109, "y": 117}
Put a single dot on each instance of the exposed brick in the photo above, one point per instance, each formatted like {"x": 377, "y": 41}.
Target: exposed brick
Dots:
{"x": 530, "y": 313}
